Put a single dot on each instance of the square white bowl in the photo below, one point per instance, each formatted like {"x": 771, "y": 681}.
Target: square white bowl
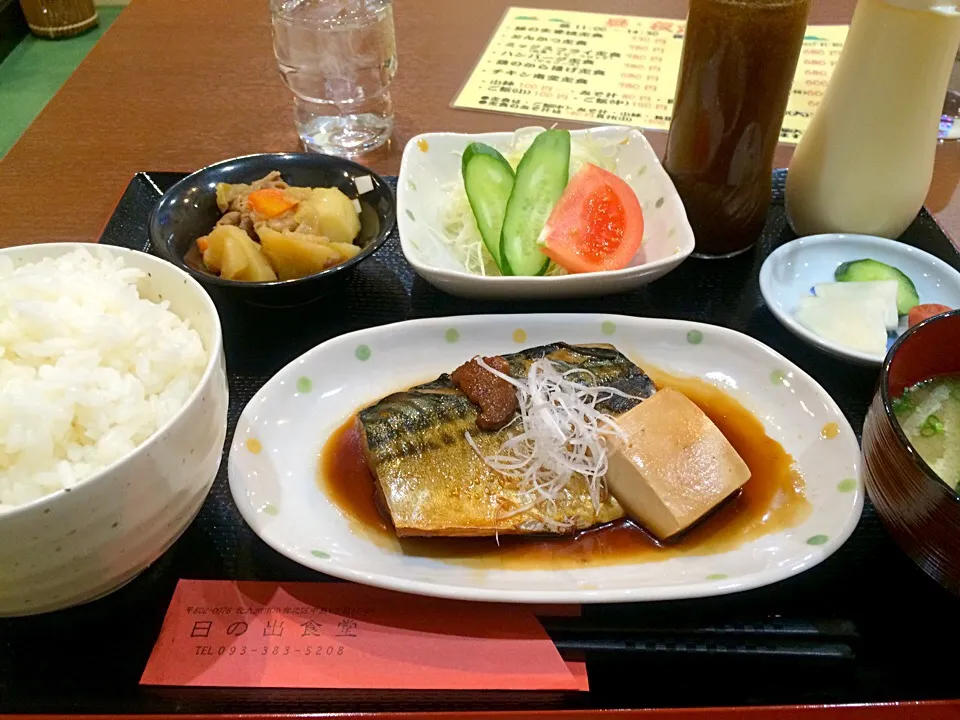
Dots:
{"x": 431, "y": 162}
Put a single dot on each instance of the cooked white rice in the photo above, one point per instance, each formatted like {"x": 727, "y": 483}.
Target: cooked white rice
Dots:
{"x": 88, "y": 370}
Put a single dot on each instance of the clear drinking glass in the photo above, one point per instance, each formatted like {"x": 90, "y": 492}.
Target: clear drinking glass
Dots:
{"x": 338, "y": 57}
{"x": 950, "y": 119}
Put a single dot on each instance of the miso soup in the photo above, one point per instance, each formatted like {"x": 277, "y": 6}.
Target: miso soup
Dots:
{"x": 929, "y": 414}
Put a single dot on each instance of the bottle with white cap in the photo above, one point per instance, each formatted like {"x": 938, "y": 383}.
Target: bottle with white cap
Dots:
{"x": 865, "y": 163}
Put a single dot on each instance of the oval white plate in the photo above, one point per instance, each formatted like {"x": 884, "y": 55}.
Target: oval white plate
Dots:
{"x": 291, "y": 417}
{"x": 431, "y": 163}
{"x": 792, "y": 269}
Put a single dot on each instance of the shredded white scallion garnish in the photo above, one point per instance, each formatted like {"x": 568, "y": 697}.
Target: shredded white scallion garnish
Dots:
{"x": 562, "y": 435}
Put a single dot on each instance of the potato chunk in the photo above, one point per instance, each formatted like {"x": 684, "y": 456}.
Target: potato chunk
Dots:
{"x": 258, "y": 267}
{"x": 213, "y": 255}
{"x": 236, "y": 256}
{"x": 295, "y": 257}
{"x": 347, "y": 250}
{"x": 234, "y": 259}
{"x": 330, "y": 213}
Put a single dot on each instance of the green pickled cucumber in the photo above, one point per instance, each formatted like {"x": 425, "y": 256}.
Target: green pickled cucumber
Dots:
{"x": 868, "y": 270}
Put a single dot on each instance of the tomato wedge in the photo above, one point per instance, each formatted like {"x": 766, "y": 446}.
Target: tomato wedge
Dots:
{"x": 919, "y": 313}
{"x": 596, "y": 225}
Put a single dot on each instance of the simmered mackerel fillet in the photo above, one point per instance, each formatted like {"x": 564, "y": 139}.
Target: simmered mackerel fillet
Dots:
{"x": 431, "y": 482}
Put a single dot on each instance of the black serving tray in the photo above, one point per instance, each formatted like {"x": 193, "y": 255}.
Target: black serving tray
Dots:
{"x": 864, "y": 626}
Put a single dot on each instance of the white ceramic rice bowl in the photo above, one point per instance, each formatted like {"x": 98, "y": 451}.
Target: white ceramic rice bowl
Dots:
{"x": 76, "y": 545}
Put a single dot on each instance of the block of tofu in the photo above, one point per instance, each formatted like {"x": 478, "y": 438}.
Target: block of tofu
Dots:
{"x": 676, "y": 465}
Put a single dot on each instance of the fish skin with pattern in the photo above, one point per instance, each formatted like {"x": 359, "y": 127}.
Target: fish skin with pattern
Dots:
{"x": 430, "y": 482}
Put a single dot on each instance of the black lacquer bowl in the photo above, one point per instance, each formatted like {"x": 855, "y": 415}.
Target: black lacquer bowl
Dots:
{"x": 188, "y": 210}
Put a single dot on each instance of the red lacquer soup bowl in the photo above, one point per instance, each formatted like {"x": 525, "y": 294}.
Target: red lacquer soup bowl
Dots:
{"x": 921, "y": 511}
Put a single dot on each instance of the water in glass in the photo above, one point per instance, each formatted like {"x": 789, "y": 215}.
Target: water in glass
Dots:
{"x": 338, "y": 57}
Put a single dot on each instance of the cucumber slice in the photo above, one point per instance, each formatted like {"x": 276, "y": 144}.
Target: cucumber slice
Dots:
{"x": 488, "y": 181}
{"x": 867, "y": 270}
{"x": 541, "y": 178}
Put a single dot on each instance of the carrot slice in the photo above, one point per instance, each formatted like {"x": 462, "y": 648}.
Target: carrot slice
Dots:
{"x": 270, "y": 202}
{"x": 203, "y": 244}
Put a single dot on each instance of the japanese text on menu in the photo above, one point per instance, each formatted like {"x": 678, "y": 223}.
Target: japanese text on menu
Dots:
{"x": 218, "y": 633}
{"x": 617, "y": 70}
{"x": 300, "y": 632}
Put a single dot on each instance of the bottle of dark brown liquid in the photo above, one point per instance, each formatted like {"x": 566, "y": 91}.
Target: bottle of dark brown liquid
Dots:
{"x": 739, "y": 59}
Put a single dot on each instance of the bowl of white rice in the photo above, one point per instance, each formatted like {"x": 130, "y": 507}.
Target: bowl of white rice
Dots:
{"x": 113, "y": 414}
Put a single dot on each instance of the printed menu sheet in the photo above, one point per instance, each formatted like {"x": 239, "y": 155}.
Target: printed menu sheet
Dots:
{"x": 614, "y": 69}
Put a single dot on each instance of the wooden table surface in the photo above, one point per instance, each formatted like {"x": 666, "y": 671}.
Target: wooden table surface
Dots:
{"x": 179, "y": 84}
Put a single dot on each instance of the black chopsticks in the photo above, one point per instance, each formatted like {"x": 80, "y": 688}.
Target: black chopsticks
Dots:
{"x": 830, "y": 641}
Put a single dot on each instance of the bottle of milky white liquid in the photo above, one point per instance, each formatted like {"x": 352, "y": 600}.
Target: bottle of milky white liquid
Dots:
{"x": 865, "y": 163}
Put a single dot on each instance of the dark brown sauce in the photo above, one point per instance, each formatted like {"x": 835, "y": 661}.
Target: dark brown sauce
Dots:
{"x": 737, "y": 67}
{"x": 772, "y": 500}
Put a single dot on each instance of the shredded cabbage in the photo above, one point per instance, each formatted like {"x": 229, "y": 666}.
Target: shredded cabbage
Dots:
{"x": 562, "y": 436}
{"x": 458, "y": 227}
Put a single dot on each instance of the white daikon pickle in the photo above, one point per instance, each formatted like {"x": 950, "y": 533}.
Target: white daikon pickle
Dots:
{"x": 851, "y": 324}
{"x": 883, "y": 292}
